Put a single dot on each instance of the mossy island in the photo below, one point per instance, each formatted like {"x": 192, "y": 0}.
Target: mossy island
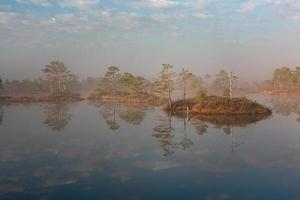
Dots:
{"x": 210, "y": 105}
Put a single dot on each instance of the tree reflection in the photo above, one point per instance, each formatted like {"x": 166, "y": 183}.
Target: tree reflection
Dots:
{"x": 57, "y": 116}
{"x": 200, "y": 126}
{"x": 186, "y": 142}
{"x": 1, "y": 115}
{"x": 132, "y": 114}
{"x": 109, "y": 114}
{"x": 228, "y": 130}
{"x": 163, "y": 133}
{"x": 286, "y": 105}
{"x": 222, "y": 121}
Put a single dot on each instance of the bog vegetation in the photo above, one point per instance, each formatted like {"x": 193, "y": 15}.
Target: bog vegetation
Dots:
{"x": 178, "y": 90}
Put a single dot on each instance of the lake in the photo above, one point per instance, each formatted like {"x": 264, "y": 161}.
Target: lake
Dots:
{"x": 116, "y": 151}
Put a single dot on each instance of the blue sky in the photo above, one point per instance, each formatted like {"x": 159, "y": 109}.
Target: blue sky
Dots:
{"x": 250, "y": 37}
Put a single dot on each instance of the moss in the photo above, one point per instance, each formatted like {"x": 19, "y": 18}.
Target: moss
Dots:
{"x": 220, "y": 105}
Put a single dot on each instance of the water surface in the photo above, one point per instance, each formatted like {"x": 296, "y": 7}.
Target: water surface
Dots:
{"x": 117, "y": 151}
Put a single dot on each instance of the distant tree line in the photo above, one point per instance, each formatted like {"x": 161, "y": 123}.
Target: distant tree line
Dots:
{"x": 60, "y": 81}
{"x": 286, "y": 79}
{"x": 119, "y": 84}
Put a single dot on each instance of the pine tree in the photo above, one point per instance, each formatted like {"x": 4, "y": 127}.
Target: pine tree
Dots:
{"x": 58, "y": 75}
{"x": 164, "y": 85}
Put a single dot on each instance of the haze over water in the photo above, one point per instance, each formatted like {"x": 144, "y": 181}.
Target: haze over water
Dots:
{"x": 118, "y": 151}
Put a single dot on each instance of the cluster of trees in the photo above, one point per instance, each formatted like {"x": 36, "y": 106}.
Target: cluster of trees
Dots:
{"x": 59, "y": 78}
{"x": 58, "y": 81}
{"x": 225, "y": 83}
{"x": 28, "y": 87}
{"x": 118, "y": 84}
{"x": 168, "y": 80}
{"x": 286, "y": 79}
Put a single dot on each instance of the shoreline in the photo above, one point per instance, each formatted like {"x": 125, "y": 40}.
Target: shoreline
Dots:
{"x": 39, "y": 99}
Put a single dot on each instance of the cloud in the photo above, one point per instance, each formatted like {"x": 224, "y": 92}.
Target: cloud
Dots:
{"x": 199, "y": 4}
{"x": 287, "y": 9}
{"x": 294, "y": 17}
{"x": 156, "y": 4}
{"x": 280, "y": 1}
{"x": 202, "y": 15}
{"x": 79, "y": 4}
{"x": 44, "y": 3}
{"x": 234, "y": 42}
{"x": 248, "y": 7}
{"x": 285, "y": 4}
{"x": 7, "y": 17}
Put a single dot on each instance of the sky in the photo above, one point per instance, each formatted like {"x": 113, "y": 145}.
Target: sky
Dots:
{"x": 249, "y": 37}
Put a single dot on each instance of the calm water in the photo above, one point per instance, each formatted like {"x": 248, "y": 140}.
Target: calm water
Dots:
{"x": 112, "y": 151}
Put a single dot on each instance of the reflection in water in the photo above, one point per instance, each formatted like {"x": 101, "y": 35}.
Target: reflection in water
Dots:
{"x": 132, "y": 114}
{"x": 233, "y": 144}
{"x": 129, "y": 113}
{"x": 231, "y": 120}
{"x": 186, "y": 142}
{"x": 57, "y": 116}
{"x": 286, "y": 105}
{"x": 163, "y": 133}
{"x": 103, "y": 166}
{"x": 109, "y": 114}
{"x": 200, "y": 126}
{"x": 226, "y": 123}
{"x": 1, "y": 115}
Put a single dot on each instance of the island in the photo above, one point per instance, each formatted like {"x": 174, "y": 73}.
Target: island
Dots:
{"x": 218, "y": 105}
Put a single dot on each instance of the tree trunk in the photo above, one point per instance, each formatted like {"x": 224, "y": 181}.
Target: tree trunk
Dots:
{"x": 184, "y": 91}
{"x": 170, "y": 98}
{"x": 230, "y": 85}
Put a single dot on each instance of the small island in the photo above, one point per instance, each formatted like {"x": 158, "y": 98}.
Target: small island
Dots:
{"x": 209, "y": 105}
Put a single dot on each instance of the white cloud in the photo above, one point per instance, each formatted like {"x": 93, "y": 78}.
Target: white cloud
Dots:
{"x": 202, "y": 15}
{"x": 234, "y": 42}
{"x": 79, "y": 4}
{"x": 44, "y": 3}
{"x": 285, "y": 4}
{"x": 294, "y": 17}
{"x": 156, "y": 4}
{"x": 280, "y": 1}
{"x": 6, "y": 18}
{"x": 198, "y": 4}
{"x": 248, "y": 7}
